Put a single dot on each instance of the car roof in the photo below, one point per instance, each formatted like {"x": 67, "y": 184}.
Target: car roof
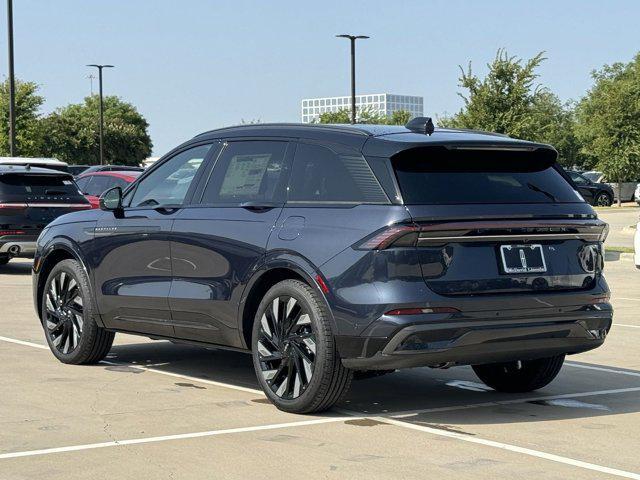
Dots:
{"x": 26, "y": 170}
{"x": 30, "y": 161}
{"x": 380, "y": 140}
{"x": 124, "y": 174}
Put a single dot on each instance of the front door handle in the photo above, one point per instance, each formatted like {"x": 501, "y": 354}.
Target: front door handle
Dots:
{"x": 258, "y": 206}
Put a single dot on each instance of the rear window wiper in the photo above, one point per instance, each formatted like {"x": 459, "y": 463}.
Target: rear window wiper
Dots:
{"x": 539, "y": 190}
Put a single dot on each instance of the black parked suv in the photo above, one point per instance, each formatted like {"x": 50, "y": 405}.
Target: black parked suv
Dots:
{"x": 597, "y": 194}
{"x": 328, "y": 250}
{"x": 29, "y": 199}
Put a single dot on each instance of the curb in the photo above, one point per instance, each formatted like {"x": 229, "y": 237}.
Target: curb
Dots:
{"x": 610, "y": 256}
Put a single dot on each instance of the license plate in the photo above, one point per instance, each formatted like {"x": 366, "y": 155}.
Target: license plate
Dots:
{"x": 522, "y": 259}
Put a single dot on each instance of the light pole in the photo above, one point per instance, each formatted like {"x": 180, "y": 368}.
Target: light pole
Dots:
{"x": 91, "y": 76}
{"x": 352, "y": 39}
{"x": 100, "y": 67}
{"x": 12, "y": 83}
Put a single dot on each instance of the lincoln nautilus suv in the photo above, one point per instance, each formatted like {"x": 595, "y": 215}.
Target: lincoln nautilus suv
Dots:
{"x": 334, "y": 251}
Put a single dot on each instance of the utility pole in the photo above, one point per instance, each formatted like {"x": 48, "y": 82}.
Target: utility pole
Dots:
{"x": 12, "y": 83}
{"x": 352, "y": 39}
{"x": 100, "y": 67}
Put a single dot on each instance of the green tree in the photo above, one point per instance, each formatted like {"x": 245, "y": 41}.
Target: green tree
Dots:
{"x": 608, "y": 121}
{"x": 72, "y": 133}
{"x": 366, "y": 115}
{"x": 508, "y": 101}
{"x": 28, "y": 131}
{"x": 340, "y": 116}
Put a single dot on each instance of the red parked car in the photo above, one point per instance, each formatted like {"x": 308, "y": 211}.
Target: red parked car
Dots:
{"x": 93, "y": 184}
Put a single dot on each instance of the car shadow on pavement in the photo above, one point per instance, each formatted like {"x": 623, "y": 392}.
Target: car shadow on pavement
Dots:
{"x": 453, "y": 396}
{"x": 16, "y": 268}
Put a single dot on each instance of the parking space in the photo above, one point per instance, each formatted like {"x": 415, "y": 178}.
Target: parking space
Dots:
{"x": 159, "y": 410}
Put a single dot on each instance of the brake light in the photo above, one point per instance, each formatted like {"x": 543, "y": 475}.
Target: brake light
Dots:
{"x": 420, "y": 311}
{"x": 11, "y": 232}
{"x": 390, "y": 236}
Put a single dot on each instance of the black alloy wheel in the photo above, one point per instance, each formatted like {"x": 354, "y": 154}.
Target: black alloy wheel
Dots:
{"x": 286, "y": 347}
{"x": 604, "y": 200}
{"x": 64, "y": 313}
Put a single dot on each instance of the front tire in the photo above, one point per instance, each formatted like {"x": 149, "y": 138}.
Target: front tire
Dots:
{"x": 294, "y": 351}
{"x": 71, "y": 331}
{"x": 520, "y": 376}
{"x": 4, "y": 259}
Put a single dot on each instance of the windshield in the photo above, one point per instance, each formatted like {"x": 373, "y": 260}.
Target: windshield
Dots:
{"x": 593, "y": 176}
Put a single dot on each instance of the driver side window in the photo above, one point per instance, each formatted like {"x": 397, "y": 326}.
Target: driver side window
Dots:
{"x": 168, "y": 184}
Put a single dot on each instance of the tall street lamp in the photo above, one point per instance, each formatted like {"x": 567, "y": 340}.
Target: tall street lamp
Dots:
{"x": 100, "y": 67}
{"x": 353, "y": 39}
{"x": 12, "y": 82}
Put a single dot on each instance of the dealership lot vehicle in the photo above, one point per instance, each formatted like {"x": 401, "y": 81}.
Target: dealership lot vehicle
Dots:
{"x": 237, "y": 239}
{"x": 29, "y": 199}
{"x": 50, "y": 163}
{"x": 95, "y": 184}
{"x": 112, "y": 168}
{"x": 626, "y": 190}
{"x": 597, "y": 194}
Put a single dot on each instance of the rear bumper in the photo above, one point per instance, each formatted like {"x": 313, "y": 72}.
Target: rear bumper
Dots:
{"x": 18, "y": 246}
{"x": 474, "y": 341}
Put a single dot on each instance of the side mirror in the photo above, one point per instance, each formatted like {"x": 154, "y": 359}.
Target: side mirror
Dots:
{"x": 111, "y": 200}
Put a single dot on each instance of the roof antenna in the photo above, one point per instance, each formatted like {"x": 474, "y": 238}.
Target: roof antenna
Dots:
{"x": 421, "y": 125}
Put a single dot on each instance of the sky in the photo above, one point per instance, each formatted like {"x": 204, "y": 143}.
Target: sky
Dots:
{"x": 195, "y": 65}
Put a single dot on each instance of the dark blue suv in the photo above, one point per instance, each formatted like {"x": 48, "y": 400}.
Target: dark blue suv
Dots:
{"x": 329, "y": 251}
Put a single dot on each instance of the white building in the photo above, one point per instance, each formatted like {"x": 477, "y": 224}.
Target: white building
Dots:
{"x": 382, "y": 103}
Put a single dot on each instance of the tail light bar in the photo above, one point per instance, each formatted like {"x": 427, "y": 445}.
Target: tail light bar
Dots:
{"x": 74, "y": 206}
{"x": 11, "y": 232}
{"x": 411, "y": 235}
{"x": 13, "y": 206}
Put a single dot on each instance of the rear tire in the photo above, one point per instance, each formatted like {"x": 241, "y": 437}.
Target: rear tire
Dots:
{"x": 603, "y": 200}
{"x": 294, "y": 351}
{"x": 523, "y": 376}
{"x": 71, "y": 331}
{"x": 4, "y": 259}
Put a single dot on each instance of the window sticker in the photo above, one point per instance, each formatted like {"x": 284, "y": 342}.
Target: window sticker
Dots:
{"x": 244, "y": 175}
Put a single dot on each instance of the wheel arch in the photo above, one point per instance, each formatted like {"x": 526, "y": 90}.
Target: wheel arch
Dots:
{"x": 270, "y": 273}
{"x": 60, "y": 249}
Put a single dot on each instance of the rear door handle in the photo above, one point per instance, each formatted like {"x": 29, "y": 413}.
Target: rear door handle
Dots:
{"x": 259, "y": 206}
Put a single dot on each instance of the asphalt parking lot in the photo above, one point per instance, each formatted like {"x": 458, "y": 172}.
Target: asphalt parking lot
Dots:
{"x": 157, "y": 410}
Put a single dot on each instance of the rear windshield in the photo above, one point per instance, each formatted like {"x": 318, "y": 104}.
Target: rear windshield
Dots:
{"x": 475, "y": 177}
{"x": 16, "y": 184}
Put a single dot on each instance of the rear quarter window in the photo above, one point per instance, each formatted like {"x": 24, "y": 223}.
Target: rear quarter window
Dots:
{"x": 438, "y": 176}
{"x": 322, "y": 175}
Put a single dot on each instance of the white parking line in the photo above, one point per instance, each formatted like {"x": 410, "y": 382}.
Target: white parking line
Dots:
{"x": 187, "y": 377}
{"x": 164, "y": 438}
{"x": 22, "y": 342}
{"x": 512, "y": 448}
{"x": 603, "y": 369}
{"x": 625, "y": 325}
{"x": 626, "y": 298}
{"x": 495, "y": 403}
{"x": 148, "y": 369}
